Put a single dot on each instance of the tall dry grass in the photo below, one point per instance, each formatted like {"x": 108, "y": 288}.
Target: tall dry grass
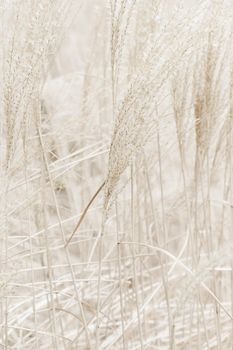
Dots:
{"x": 116, "y": 175}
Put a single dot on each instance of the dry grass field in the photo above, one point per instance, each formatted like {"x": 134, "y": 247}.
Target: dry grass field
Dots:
{"x": 116, "y": 173}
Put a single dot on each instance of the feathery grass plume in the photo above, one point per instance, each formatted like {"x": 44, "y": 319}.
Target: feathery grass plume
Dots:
{"x": 33, "y": 33}
{"x": 121, "y": 14}
{"x": 135, "y": 121}
{"x": 210, "y": 98}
